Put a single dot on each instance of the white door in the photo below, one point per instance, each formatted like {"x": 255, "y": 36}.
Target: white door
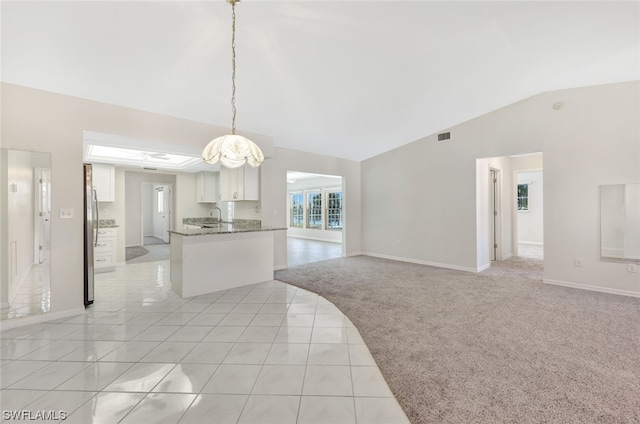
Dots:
{"x": 166, "y": 216}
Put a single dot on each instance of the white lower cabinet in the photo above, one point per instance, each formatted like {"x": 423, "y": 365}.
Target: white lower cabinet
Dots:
{"x": 104, "y": 252}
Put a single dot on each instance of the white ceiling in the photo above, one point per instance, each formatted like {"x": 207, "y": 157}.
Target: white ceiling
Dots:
{"x": 344, "y": 78}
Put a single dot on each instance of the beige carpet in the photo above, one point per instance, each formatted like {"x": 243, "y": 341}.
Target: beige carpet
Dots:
{"x": 500, "y": 346}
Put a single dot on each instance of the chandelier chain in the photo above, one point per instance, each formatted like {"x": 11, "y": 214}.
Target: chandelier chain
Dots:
{"x": 233, "y": 67}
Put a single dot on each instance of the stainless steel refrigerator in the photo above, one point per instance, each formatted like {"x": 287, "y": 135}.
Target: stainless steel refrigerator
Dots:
{"x": 90, "y": 232}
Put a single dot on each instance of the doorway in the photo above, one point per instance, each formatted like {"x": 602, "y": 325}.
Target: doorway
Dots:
{"x": 156, "y": 214}
{"x": 315, "y": 217}
{"x": 508, "y": 195}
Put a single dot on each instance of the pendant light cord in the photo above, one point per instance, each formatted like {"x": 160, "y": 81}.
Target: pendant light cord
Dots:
{"x": 233, "y": 66}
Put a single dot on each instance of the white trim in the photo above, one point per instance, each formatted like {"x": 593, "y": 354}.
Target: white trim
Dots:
{"x": 280, "y": 267}
{"x": 4, "y": 305}
{"x": 36, "y": 319}
{"x": 592, "y": 288}
{"x": 507, "y": 256}
{"x": 420, "y": 262}
{"x": 357, "y": 253}
{"x": 483, "y": 267}
{"x": 536, "y": 243}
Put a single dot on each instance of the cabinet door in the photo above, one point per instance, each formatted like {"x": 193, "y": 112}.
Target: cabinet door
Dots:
{"x": 207, "y": 187}
{"x": 228, "y": 184}
{"x": 239, "y": 184}
{"x": 104, "y": 181}
{"x": 250, "y": 183}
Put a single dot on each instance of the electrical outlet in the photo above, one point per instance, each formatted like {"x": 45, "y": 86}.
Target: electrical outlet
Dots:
{"x": 578, "y": 261}
{"x": 632, "y": 268}
{"x": 66, "y": 213}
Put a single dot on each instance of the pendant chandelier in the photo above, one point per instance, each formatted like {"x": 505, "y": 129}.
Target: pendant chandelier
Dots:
{"x": 233, "y": 150}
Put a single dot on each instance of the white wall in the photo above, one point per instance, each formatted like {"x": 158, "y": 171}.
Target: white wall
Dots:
{"x": 147, "y": 210}
{"x": 592, "y": 140}
{"x": 243, "y": 210}
{"x": 185, "y": 200}
{"x": 531, "y": 223}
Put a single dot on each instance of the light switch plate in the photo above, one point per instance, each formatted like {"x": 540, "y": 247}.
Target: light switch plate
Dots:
{"x": 66, "y": 213}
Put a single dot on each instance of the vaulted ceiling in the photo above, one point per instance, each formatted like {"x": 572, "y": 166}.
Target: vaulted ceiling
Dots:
{"x": 350, "y": 79}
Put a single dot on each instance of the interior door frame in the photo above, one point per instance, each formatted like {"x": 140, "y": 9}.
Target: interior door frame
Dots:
{"x": 168, "y": 200}
{"x": 495, "y": 214}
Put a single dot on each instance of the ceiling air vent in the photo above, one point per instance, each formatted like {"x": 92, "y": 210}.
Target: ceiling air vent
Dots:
{"x": 444, "y": 137}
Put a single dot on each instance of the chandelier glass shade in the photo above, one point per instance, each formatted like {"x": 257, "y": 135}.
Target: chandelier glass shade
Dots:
{"x": 233, "y": 150}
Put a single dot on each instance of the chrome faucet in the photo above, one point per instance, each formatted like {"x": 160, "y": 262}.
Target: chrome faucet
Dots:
{"x": 219, "y": 213}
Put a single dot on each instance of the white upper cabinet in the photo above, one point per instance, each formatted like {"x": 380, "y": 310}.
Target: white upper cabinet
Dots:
{"x": 104, "y": 182}
{"x": 239, "y": 184}
{"x": 207, "y": 187}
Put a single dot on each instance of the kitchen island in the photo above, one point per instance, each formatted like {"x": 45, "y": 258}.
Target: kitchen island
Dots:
{"x": 221, "y": 256}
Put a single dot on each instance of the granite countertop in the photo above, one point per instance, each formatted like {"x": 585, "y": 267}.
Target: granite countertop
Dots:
{"x": 213, "y": 227}
{"x": 107, "y": 223}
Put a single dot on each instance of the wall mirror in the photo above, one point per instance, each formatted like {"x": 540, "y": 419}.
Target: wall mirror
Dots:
{"x": 620, "y": 223}
{"x": 25, "y": 224}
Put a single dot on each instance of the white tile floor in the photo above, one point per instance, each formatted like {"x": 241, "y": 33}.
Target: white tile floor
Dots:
{"x": 267, "y": 353}
{"x": 531, "y": 251}
{"x": 33, "y": 296}
{"x": 304, "y": 251}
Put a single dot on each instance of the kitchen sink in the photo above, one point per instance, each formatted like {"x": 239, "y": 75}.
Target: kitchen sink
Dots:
{"x": 215, "y": 224}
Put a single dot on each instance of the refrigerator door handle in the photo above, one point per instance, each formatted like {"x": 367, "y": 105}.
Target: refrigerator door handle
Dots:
{"x": 97, "y": 221}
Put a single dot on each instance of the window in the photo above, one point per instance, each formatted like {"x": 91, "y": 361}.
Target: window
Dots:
{"x": 523, "y": 197}
{"x": 314, "y": 209}
{"x": 334, "y": 210}
{"x": 297, "y": 210}
{"x": 160, "y": 201}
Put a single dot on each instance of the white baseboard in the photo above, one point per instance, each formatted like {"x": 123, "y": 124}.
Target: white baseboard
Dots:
{"x": 280, "y": 267}
{"x": 37, "y": 319}
{"x": 483, "y": 267}
{"x": 358, "y": 253}
{"x": 535, "y": 243}
{"x": 592, "y": 288}
{"x": 420, "y": 262}
{"x": 507, "y": 256}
